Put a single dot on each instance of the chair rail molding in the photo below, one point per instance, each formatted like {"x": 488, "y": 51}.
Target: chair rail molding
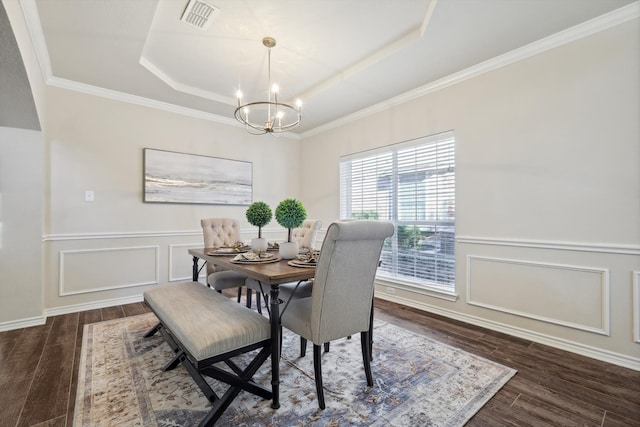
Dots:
{"x": 612, "y": 248}
{"x": 118, "y": 235}
{"x": 248, "y": 232}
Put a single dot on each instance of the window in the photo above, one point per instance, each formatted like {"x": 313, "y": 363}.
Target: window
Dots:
{"x": 411, "y": 184}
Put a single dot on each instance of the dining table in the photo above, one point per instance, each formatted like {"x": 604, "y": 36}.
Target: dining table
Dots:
{"x": 270, "y": 274}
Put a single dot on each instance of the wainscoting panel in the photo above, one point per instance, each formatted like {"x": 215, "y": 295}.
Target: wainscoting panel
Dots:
{"x": 181, "y": 263}
{"x": 92, "y": 270}
{"x": 566, "y": 295}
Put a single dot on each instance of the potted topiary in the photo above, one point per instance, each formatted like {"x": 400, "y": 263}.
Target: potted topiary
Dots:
{"x": 259, "y": 215}
{"x": 290, "y": 214}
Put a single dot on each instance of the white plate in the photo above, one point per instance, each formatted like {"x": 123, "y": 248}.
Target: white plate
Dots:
{"x": 263, "y": 260}
{"x": 227, "y": 251}
{"x": 303, "y": 264}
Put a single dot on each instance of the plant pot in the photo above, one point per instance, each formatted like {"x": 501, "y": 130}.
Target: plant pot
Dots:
{"x": 288, "y": 250}
{"x": 259, "y": 244}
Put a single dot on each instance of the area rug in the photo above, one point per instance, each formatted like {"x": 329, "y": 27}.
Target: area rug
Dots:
{"x": 417, "y": 382}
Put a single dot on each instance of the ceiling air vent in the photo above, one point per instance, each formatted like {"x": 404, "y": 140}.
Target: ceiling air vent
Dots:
{"x": 200, "y": 14}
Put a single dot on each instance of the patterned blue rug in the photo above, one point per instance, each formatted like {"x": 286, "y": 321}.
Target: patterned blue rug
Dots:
{"x": 417, "y": 382}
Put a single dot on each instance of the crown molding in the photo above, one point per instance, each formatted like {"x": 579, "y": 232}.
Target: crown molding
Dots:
{"x": 180, "y": 87}
{"x": 595, "y": 25}
{"x": 147, "y": 102}
{"x": 34, "y": 26}
{"x": 137, "y": 100}
{"x": 585, "y": 29}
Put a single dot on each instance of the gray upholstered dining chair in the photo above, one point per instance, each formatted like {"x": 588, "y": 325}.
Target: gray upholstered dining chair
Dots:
{"x": 219, "y": 232}
{"x": 341, "y": 296}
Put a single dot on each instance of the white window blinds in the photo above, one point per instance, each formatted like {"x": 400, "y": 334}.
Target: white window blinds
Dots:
{"x": 411, "y": 184}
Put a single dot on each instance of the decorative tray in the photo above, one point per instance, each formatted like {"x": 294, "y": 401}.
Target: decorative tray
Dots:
{"x": 253, "y": 258}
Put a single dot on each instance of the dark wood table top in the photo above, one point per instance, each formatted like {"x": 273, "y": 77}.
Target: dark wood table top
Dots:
{"x": 268, "y": 273}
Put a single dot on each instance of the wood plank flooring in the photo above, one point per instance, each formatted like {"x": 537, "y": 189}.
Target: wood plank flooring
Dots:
{"x": 39, "y": 368}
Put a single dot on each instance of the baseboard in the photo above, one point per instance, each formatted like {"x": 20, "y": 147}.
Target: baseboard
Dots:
{"x": 566, "y": 345}
{"x": 570, "y": 346}
{"x": 92, "y": 305}
{"x": 41, "y": 320}
{"x": 22, "y": 323}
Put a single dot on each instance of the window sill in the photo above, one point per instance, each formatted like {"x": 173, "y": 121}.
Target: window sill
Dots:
{"x": 422, "y": 289}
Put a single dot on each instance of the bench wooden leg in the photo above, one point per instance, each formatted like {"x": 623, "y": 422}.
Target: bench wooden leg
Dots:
{"x": 153, "y": 330}
{"x": 238, "y": 380}
{"x": 236, "y": 384}
{"x": 197, "y": 377}
{"x": 173, "y": 363}
{"x": 242, "y": 381}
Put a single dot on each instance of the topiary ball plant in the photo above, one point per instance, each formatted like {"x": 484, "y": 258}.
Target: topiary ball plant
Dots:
{"x": 290, "y": 214}
{"x": 259, "y": 215}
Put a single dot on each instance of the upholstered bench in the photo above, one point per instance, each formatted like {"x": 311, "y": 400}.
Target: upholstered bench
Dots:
{"x": 204, "y": 327}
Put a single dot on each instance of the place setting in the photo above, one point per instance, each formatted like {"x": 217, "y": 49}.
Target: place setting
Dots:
{"x": 236, "y": 248}
{"x": 257, "y": 257}
{"x": 307, "y": 258}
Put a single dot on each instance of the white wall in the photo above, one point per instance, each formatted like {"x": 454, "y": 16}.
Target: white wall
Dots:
{"x": 548, "y": 192}
{"x": 109, "y": 250}
{"x": 21, "y": 300}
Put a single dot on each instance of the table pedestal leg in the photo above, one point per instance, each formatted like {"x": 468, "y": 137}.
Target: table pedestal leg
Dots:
{"x": 275, "y": 346}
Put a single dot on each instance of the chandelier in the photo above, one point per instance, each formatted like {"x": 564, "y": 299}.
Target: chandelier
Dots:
{"x": 270, "y": 116}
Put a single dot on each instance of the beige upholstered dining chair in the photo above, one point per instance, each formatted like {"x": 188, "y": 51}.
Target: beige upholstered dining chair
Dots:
{"x": 223, "y": 232}
{"x": 340, "y": 301}
{"x": 306, "y": 236}
{"x": 307, "y": 233}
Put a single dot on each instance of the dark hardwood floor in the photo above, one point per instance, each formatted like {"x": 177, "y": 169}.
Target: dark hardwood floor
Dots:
{"x": 38, "y": 373}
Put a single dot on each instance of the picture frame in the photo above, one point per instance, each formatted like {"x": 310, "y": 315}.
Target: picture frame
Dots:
{"x": 172, "y": 177}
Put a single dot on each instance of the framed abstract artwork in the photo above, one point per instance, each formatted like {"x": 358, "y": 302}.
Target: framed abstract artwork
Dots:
{"x": 171, "y": 177}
